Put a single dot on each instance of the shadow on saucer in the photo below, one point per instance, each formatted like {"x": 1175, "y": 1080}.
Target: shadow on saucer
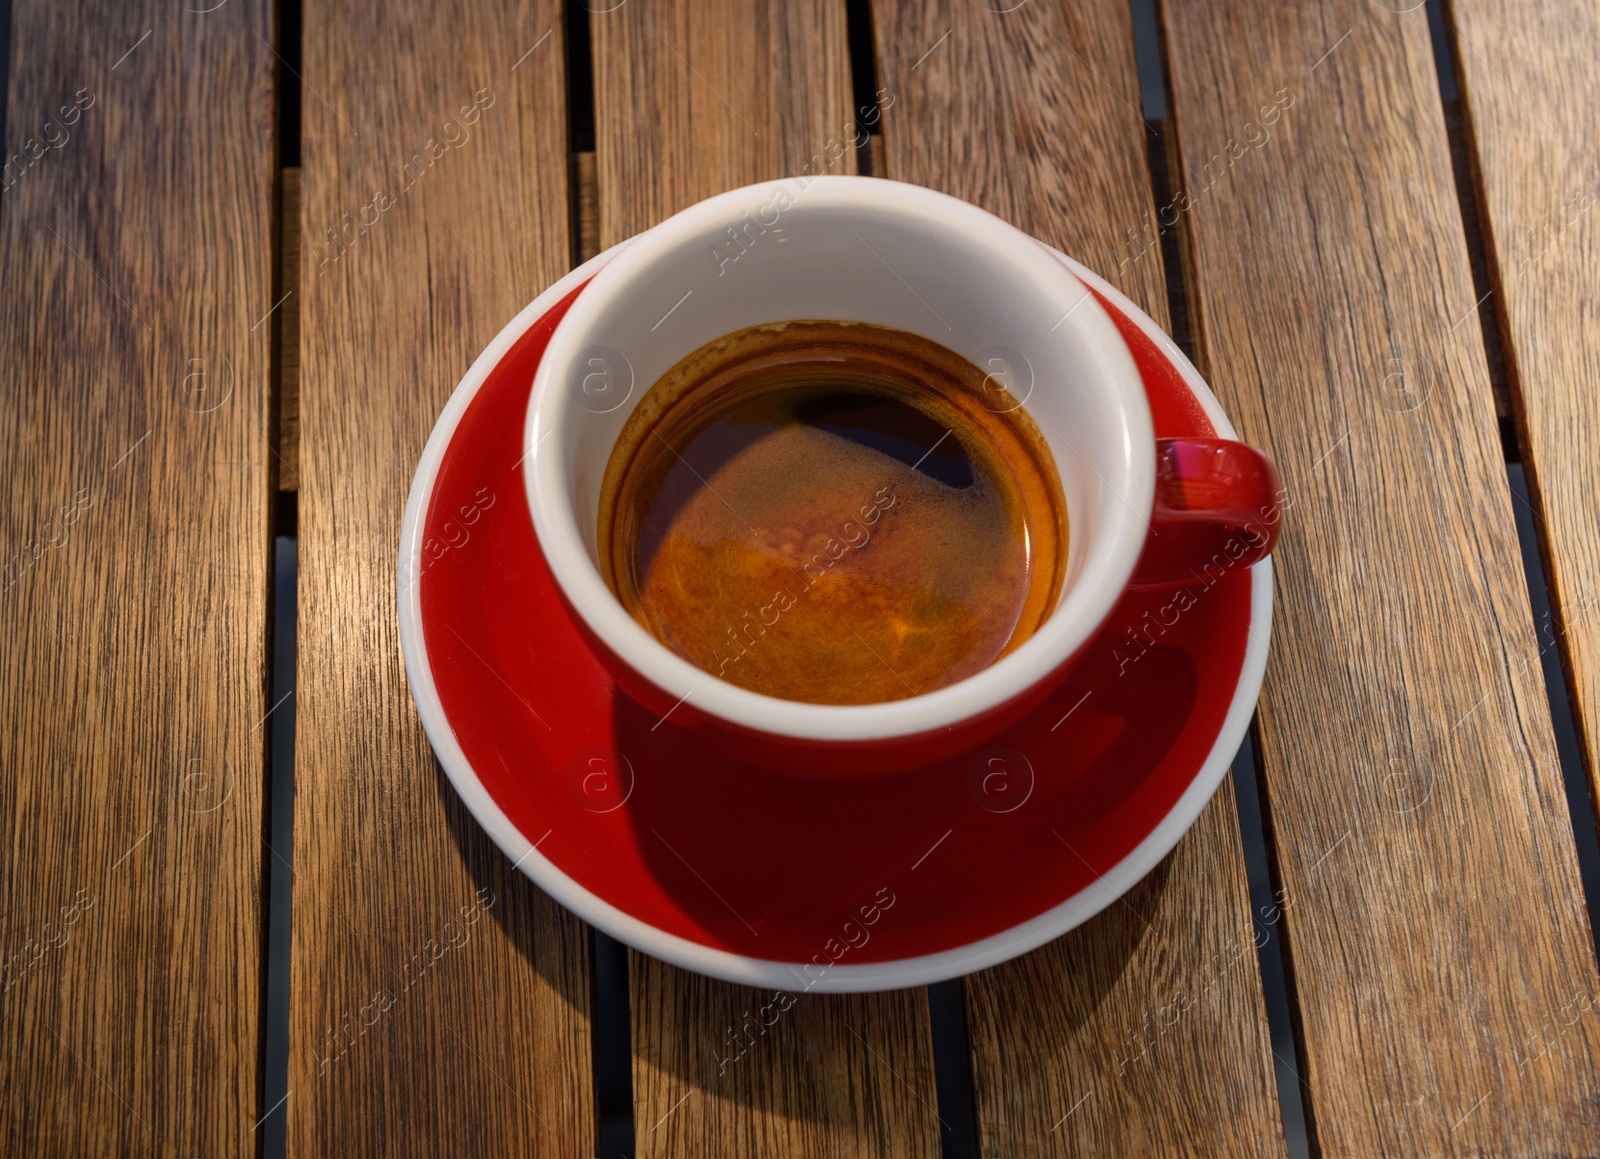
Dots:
{"x": 726, "y": 843}
{"x": 750, "y": 857}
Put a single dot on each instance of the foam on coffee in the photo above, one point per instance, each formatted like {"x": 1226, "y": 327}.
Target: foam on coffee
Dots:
{"x": 832, "y": 512}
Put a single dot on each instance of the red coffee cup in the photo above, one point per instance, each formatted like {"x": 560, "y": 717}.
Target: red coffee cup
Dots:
{"x": 1142, "y": 513}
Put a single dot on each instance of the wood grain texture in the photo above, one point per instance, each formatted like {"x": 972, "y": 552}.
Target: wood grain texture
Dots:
{"x": 440, "y": 1003}
{"x": 1143, "y": 1031}
{"x": 1433, "y": 914}
{"x": 1462, "y": 167}
{"x": 1533, "y": 103}
{"x": 691, "y": 100}
{"x": 288, "y": 334}
{"x": 1106, "y": 1041}
{"x": 134, "y": 405}
{"x": 695, "y": 99}
{"x": 848, "y": 1075}
{"x": 1032, "y": 114}
{"x": 588, "y": 215}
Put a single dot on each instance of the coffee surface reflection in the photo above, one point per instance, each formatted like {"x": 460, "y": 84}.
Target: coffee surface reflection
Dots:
{"x": 836, "y": 513}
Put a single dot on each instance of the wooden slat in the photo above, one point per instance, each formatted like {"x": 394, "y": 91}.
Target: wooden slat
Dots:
{"x": 588, "y": 215}
{"x": 1033, "y": 114}
{"x": 692, "y": 99}
{"x": 488, "y": 1054}
{"x": 1533, "y": 102}
{"x": 1461, "y": 167}
{"x": 288, "y": 320}
{"x": 835, "y": 1076}
{"x": 695, "y": 99}
{"x": 1434, "y": 917}
{"x": 134, "y": 402}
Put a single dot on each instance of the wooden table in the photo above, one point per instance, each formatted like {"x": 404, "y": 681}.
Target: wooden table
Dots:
{"x": 1392, "y": 291}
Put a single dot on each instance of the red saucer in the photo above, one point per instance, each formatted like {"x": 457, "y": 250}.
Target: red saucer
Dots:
{"x": 731, "y": 858}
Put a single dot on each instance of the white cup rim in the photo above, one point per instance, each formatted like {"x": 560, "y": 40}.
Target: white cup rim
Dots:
{"x": 1083, "y": 607}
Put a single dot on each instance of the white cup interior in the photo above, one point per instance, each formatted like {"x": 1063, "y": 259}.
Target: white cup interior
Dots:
{"x": 862, "y": 250}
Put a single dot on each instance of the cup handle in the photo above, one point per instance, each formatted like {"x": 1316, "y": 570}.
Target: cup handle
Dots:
{"x": 1218, "y": 506}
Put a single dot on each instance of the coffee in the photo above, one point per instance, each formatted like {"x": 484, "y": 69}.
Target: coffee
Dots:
{"x": 837, "y": 513}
